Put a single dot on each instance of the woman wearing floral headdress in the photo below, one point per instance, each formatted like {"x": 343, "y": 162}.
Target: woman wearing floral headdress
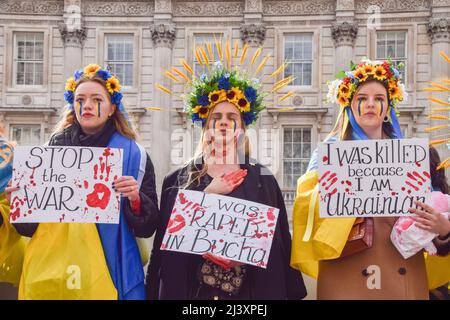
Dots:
{"x": 224, "y": 102}
{"x": 368, "y": 97}
{"x": 86, "y": 260}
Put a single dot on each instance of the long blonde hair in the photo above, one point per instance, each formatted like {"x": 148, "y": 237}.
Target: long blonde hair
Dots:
{"x": 121, "y": 124}
{"x": 203, "y": 150}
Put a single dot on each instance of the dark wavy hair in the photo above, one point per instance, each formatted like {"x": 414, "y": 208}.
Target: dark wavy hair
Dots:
{"x": 438, "y": 178}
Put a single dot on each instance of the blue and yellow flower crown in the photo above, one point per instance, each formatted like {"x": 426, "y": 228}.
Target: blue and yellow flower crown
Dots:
{"x": 227, "y": 79}
{"x": 91, "y": 71}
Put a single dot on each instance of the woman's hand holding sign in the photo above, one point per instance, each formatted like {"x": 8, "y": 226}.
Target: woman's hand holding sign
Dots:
{"x": 431, "y": 220}
{"x": 128, "y": 186}
{"x": 225, "y": 184}
{"x": 10, "y": 190}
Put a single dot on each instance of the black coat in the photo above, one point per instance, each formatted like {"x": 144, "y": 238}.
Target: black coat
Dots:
{"x": 142, "y": 225}
{"x": 172, "y": 275}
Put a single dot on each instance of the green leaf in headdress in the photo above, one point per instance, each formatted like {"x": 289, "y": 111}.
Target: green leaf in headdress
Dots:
{"x": 340, "y": 75}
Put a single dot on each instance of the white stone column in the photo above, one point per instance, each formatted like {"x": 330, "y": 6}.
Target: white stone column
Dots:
{"x": 253, "y": 30}
{"x": 343, "y": 31}
{"x": 163, "y": 36}
{"x": 73, "y": 34}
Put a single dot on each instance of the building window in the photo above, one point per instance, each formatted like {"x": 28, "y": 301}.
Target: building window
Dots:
{"x": 203, "y": 40}
{"x": 296, "y": 154}
{"x": 392, "y": 45}
{"x": 298, "y": 54}
{"x": 29, "y": 58}
{"x": 26, "y": 135}
{"x": 119, "y": 57}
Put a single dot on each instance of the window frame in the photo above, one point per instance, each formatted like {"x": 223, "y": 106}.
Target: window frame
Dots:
{"x": 102, "y": 34}
{"x": 291, "y": 127}
{"x": 21, "y": 124}
{"x": 132, "y": 61}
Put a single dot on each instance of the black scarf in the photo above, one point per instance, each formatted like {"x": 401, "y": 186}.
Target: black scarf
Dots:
{"x": 100, "y": 139}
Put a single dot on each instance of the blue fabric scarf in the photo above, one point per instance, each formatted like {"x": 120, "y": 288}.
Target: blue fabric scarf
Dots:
{"x": 119, "y": 244}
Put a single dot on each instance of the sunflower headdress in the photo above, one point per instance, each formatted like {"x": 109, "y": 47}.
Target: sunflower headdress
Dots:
{"x": 91, "y": 71}
{"x": 231, "y": 78}
{"x": 441, "y": 113}
{"x": 342, "y": 90}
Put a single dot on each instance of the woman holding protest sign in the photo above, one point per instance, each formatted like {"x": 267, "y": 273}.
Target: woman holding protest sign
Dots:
{"x": 224, "y": 102}
{"x": 346, "y": 264}
{"x": 102, "y": 261}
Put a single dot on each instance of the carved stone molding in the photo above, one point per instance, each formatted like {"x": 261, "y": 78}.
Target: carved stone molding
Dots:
{"x": 439, "y": 30}
{"x": 393, "y": 6}
{"x": 206, "y": 8}
{"x": 47, "y": 8}
{"x": 306, "y": 7}
{"x": 127, "y": 8}
{"x": 72, "y": 38}
{"x": 163, "y": 34}
{"x": 344, "y": 34}
{"x": 253, "y": 6}
{"x": 344, "y": 5}
{"x": 253, "y": 34}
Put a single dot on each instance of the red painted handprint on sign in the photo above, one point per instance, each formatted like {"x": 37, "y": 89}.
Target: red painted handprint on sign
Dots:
{"x": 100, "y": 196}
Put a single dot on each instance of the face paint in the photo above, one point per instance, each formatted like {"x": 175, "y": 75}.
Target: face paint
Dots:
{"x": 214, "y": 124}
{"x": 381, "y": 107}
{"x": 80, "y": 107}
{"x": 98, "y": 108}
{"x": 359, "y": 107}
{"x": 234, "y": 125}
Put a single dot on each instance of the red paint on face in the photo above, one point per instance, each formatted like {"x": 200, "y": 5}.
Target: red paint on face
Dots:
{"x": 93, "y": 199}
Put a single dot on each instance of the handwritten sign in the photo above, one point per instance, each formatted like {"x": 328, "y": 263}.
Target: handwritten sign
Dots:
{"x": 372, "y": 178}
{"x": 66, "y": 184}
{"x": 232, "y": 228}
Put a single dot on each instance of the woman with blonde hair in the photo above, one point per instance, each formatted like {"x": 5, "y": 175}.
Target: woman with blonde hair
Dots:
{"x": 105, "y": 257}
{"x": 224, "y": 102}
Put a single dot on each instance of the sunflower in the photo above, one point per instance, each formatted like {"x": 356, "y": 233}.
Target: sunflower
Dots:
{"x": 71, "y": 84}
{"x": 217, "y": 96}
{"x": 91, "y": 69}
{"x": 392, "y": 84}
{"x": 113, "y": 85}
{"x": 243, "y": 105}
{"x": 395, "y": 93}
{"x": 234, "y": 94}
{"x": 379, "y": 73}
{"x": 343, "y": 101}
{"x": 344, "y": 90}
{"x": 368, "y": 69}
{"x": 202, "y": 111}
{"x": 360, "y": 74}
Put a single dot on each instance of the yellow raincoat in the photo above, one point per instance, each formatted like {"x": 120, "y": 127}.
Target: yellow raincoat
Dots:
{"x": 12, "y": 247}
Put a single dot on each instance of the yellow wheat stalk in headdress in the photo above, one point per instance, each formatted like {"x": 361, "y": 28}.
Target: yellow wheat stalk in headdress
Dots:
{"x": 444, "y": 106}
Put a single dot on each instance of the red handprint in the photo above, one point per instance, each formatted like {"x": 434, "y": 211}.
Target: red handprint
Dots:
{"x": 100, "y": 196}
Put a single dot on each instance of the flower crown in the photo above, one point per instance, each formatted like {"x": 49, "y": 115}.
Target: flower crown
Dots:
{"x": 222, "y": 85}
{"x": 341, "y": 90}
{"x": 226, "y": 79}
{"x": 91, "y": 71}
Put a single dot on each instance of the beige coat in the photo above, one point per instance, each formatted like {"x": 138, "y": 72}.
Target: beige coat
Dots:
{"x": 348, "y": 278}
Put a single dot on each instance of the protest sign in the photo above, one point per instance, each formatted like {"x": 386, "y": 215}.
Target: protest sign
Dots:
{"x": 228, "y": 227}
{"x": 65, "y": 184}
{"x": 372, "y": 178}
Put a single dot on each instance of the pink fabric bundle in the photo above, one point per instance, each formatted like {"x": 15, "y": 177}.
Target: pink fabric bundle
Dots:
{"x": 410, "y": 239}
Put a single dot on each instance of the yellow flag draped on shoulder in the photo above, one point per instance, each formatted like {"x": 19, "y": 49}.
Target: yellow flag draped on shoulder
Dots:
{"x": 65, "y": 261}
{"x": 12, "y": 247}
{"x": 315, "y": 238}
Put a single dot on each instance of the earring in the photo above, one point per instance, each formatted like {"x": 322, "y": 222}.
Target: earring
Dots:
{"x": 386, "y": 119}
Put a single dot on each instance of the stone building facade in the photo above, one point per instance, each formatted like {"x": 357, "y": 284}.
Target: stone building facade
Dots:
{"x": 43, "y": 41}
